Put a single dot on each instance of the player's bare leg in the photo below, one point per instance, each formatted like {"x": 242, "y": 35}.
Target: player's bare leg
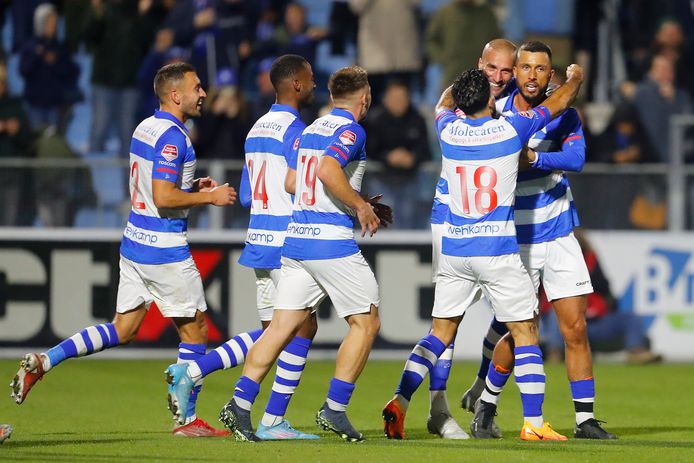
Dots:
{"x": 193, "y": 332}
{"x": 351, "y": 359}
{"x": 236, "y": 414}
{"x": 571, "y": 315}
{"x": 530, "y": 378}
{"x": 443, "y": 331}
{"x": 34, "y": 365}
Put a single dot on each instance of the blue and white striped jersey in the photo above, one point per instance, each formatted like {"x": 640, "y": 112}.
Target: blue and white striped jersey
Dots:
{"x": 160, "y": 150}
{"x": 322, "y": 227}
{"x": 269, "y": 147}
{"x": 480, "y": 166}
{"x": 544, "y": 209}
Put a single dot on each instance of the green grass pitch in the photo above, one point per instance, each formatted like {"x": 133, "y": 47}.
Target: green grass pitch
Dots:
{"x": 115, "y": 410}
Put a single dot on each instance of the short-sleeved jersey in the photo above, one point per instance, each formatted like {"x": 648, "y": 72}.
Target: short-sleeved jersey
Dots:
{"x": 322, "y": 227}
{"x": 160, "y": 150}
{"x": 269, "y": 151}
{"x": 544, "y": 209}
{"x": 480, "y": 166}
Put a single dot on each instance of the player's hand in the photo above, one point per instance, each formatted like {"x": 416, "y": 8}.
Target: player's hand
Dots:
{"x": 205, "y": 184}
{"x": 382, "y": 211}
{"x": 223, "y": 195}
{"x": 574, "y": 72}
{"x": 527, "y": 157}
{"x": 368, "y": 219}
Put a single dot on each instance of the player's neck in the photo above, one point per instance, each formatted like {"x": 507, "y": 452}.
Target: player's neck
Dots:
{"x": 291, "y": 102}
{"x": 521, "y": 104}
{"x": 355, "y": 111}
{"x": 175, "y": 112}
{"x": 486, "y": 112}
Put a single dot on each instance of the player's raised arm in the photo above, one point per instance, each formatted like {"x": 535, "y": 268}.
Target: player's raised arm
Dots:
{"x": 565, "y": 95}
{"x": 445, "y": 101}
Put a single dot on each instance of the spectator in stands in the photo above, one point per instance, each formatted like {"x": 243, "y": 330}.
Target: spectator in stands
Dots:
{"x": 296, "y": 37}
{"x": 15, "y": 142}
{"x": 388, "y": 41}
{"x": 219, "y": 33}
{"x": 669, "y": 41}
{"x": 623, "y": 141}
{"x": 119, "y": 33}
{"x": 265, "y": 95}
{"x": 163, "y": 52}
{"x": 656, "y": 99}
{"x": 50, "y": 74}
{"x": 399, "y": 140}
{"x": 221, "y": 130}
{"x": 605, "y": 323}
{"x": 454, "y": 35}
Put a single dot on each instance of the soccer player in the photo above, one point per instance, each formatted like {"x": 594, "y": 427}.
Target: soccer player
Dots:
{"x": 497, "y": 63}
{"x": 321, "y": 258}
{"x": 479, "y": 252}
{"x": 155, "y": 261}
{"x": 545, "y": 218}
{"x": 269, "y": 148}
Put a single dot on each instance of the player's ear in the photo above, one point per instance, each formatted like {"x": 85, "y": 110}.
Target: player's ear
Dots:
{"x": 175, "y": 97}
{"x": 551, "y": 74}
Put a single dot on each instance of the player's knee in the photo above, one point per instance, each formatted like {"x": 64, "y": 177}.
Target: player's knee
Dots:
{"x": 574, "y": 332}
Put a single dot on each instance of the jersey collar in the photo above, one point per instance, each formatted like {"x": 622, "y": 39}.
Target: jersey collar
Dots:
{"x": 342, "y": 113}
{"x": 285, "y": 108}
{"x": 509, "y": 106}
{"x": 170, "y": 117}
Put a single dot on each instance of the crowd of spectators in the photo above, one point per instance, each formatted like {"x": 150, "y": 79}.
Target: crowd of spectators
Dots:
{"x": 411, "y": 48}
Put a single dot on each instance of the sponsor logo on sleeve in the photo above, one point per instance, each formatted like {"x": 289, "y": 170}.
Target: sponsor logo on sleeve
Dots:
{"x": 169, "y": 152}
{"x": 296, "y": 143}
{"x": 529, "y": 114}
{"x": 348, "y": 137}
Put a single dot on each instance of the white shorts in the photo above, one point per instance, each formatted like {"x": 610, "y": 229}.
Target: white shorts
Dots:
{"x": 560, "y": 265}
{"x": 266, "y": 281}
{"x": 462, "y": 281}
{"x": 176, "y": 288}
{"x": 437, "y": 230}
{"x": 348, "y": 282}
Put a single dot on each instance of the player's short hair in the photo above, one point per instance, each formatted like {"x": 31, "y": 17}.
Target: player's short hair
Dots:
{"x": 501, "y": 45}
{"x": 534, "y": 46}
{"x": 286, "y": 67}
{"x": 346, "y": 81}
{"x": 471, "y": 91}
{"x": 168, "y": 75}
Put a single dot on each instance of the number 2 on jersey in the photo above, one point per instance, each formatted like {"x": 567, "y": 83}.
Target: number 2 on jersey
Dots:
{"x": 308, "y": 197}
{"x": 482, "y": 189}
{"x": 135, "y": 172}
{"x": 259, "y": 190}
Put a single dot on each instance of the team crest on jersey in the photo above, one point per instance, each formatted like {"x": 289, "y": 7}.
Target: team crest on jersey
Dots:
{"x": 296, "y": 143}
{"x": 170, "y": 152}
{"x": 529, "y": 114}
{"x": 348, "y": 137}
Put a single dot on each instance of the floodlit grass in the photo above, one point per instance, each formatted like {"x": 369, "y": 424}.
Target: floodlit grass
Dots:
{"x": 115, "y": 410}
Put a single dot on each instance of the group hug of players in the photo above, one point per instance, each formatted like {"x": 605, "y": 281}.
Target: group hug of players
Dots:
{"x": 497, "y": 232}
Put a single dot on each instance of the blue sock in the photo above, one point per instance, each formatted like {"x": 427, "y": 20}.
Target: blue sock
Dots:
{"x": 583, "y": 393}
{"x": 442, "y": 370}
{"x": 494, "y": 384}
{"x": 245, "y": 392}
{"x": 228, "y": 355}
{"x": 339, "y": 394}
{"x": 530, "y": 378}
{"x": 421, "y": 361}
{"x": 496, "y": 330}
{"x": 188, "y": 353}
{"x": 88, "y": 341}
{"x": 290, "y": 365}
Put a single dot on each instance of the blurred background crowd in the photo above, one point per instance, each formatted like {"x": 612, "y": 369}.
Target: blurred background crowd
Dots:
{"x": 76, "y": 78}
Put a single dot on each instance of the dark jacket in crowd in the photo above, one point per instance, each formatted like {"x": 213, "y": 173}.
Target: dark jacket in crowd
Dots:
{"x": 48, "y": 84}
{"x": 408, "y": 131}
{"x": 19, "y": 144}
{"x": 119, "y": 40}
